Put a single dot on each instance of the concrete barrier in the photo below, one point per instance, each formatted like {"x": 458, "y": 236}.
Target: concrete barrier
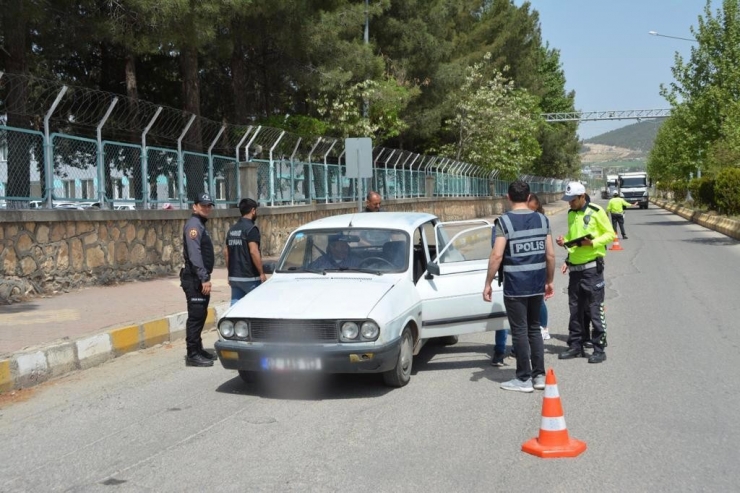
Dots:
{"x": 722, "y": 224}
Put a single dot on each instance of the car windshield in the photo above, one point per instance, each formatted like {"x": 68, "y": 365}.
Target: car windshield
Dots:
{"x": 634, "y": 182}
{"x": 348, "y": 249}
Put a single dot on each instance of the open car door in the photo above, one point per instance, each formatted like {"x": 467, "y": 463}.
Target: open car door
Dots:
{"x": 451, "y": 289}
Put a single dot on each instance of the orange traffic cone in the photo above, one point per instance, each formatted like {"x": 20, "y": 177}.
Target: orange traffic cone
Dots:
{"x": 553, "y": 441}
{"x": 616, "y": 245}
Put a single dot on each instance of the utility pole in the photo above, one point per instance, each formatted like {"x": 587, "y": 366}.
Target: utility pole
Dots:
{"x": 366, "y": 104}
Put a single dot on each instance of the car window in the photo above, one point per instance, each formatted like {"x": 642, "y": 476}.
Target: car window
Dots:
{"x": 471, "y": 243}
{"x": 381, "y": 250}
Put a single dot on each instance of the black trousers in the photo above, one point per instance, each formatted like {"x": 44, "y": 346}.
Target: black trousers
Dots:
{"x": 618, "y": 219}
{"x": 197, "y": 311}
{"x": 586, "y": 301}
{"x": 524, "y": 321}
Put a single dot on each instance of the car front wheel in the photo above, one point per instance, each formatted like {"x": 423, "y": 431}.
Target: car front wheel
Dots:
{"x": 401, "y": 374}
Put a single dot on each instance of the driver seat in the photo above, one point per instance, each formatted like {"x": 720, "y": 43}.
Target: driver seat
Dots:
{"x": 395, "y": 253}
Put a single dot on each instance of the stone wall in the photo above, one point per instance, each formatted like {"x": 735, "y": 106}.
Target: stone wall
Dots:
{"x": 44, "y": 251}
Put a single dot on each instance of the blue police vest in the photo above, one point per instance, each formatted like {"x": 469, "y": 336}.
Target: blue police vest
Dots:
{"x": 524, "y": 263}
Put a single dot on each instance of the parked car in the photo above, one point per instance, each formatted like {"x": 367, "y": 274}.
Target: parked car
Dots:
{"x": 406, "y": 278}
{"x": 124, "y": 207}
{"x": 88, "y": 205}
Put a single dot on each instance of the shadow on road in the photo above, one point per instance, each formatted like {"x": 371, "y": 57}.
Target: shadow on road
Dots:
{"x": 667, "y": 223}
{"x": 713, "y": 241}
{"x": 18, "y": 308}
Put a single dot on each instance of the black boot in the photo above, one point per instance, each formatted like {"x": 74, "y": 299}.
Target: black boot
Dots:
{"x": 197, "y": 360}
{"x": 572, "y": 353}
{"x": 597, "y": 357}
{"x": 206, "y": 354}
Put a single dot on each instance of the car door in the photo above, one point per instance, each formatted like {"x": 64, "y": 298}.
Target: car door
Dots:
{"x": 451, "y": 288}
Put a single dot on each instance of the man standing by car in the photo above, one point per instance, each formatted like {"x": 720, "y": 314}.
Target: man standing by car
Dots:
{"x": 372, "y": 202}
{"x": 195, "y": 279}
{"x": 524, "y": 246}
{"x": 615, "y": 207}
{"x": 243, "y": 258}
{"x": 589, "y": 232}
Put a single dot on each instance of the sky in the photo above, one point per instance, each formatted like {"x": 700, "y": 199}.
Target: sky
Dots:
{"x": 609, "y": 59}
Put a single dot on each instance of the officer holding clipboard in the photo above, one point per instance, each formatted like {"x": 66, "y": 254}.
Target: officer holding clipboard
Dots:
{"x": 589, "y": 232}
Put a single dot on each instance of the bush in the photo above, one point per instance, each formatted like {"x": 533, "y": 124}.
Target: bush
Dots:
{"x": 727, "y": 191}
{"x": 702, "y": 191}
{"x": 679, "y": 189}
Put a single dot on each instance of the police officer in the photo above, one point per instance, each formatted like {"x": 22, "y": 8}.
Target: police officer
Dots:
{"x": 615, "y": 207}
{"x": 243, "y": 258}
{"x": 586, "y": 272}
{"x": 195, "y": 279}
{"x": 524, "y": 245}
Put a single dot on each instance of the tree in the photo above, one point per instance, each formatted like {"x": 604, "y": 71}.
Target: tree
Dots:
{"x": 494, "y": 124}
{"x": 703, "y": 116}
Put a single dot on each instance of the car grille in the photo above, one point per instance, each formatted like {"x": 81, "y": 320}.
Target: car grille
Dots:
{"x": 633, "y": 195}
{"x": 277, "y": 330}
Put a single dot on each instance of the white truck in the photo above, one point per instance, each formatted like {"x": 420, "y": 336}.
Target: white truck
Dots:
{"x": 633, "y": 187}
{"x": 610, "y": 187}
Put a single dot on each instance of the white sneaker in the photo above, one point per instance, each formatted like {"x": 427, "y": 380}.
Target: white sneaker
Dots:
{"x": 518, "y": 385}
{"x": 545, "y": 333}
{"x": 538, "y": 382}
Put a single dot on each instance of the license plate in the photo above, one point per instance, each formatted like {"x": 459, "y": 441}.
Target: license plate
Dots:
{"x": 291, "y": 364}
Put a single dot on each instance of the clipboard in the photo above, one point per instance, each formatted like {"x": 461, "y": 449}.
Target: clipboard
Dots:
{"x": 576, "y": 241}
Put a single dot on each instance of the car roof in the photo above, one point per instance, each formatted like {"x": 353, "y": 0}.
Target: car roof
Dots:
{"x": 406, "y": 221}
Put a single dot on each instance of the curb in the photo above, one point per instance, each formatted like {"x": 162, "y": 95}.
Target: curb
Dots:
{"x": 721, "y": 224}
{"x": 33, "y": 366}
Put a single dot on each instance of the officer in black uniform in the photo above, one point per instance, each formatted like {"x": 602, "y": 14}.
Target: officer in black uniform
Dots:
{"x": 243, "y": 258}
{"x": 195, "y": 279}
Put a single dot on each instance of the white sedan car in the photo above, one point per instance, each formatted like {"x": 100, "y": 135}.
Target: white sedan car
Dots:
{"x": 361, "y": 293}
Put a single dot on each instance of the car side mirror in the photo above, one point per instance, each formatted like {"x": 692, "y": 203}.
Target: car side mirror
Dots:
{"x": 268, "y": 267}
{"x": 432, "y": 269}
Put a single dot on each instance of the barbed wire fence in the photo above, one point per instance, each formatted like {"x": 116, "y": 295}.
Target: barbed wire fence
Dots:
{"x": 61, "y": 143}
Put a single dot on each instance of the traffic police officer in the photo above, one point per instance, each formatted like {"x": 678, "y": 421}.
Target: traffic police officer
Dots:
{"x": 195, "y": 279}
{"x": 589, "y": 231}
{"x": 524, "y": 245}
{"x": 243, "y": 259}
{"x": 615, "y": 207}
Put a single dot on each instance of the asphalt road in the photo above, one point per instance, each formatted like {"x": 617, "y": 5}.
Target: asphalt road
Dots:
{"x": 661, "y": 414}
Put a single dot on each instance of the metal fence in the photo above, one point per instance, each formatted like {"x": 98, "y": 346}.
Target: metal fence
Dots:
{"x": 152, "y": 155}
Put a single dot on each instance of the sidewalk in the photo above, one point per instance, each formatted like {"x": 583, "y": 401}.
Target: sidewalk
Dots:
{"x": 50, "y": 336}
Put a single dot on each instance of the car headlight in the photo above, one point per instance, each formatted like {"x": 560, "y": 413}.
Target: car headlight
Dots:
{"x": 350, "y": 331}
{"x": 370, "y": 331}
{"x": 241, "y": 329}
{"x": 226, "y": 327}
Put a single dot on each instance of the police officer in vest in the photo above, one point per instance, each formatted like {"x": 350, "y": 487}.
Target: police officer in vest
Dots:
{"x": 589, "y": 231}
{"x": 243, "y": 259}
{"x": 195, "y": 279}
{"x": 524, "y": 246}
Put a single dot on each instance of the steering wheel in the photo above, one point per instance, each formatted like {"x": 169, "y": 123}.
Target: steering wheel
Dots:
{"x": 373, "y": 259}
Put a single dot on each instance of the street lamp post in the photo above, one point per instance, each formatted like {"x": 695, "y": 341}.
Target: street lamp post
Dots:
{"x": 653, "y": 33}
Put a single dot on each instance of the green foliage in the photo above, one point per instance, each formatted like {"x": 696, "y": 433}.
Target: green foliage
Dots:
{"x": 727, "y": 190}
{"x": 247, "y": 61}
{"x": 670, "y": 157}
{"x": 679, "y": 189}
{"x": 639, "y": 136}
{"x": 493, "y": 124}
{"x": 704, "y": 121}
{"x": 702, "y": 191}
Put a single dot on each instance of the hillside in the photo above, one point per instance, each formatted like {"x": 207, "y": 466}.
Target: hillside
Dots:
{"x": 639, "y": 136}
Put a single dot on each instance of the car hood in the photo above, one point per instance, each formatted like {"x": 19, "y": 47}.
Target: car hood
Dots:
{"x": 314, "y": 297}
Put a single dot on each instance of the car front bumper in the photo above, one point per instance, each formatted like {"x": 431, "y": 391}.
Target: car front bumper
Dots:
{"x": 236, "y": 355}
